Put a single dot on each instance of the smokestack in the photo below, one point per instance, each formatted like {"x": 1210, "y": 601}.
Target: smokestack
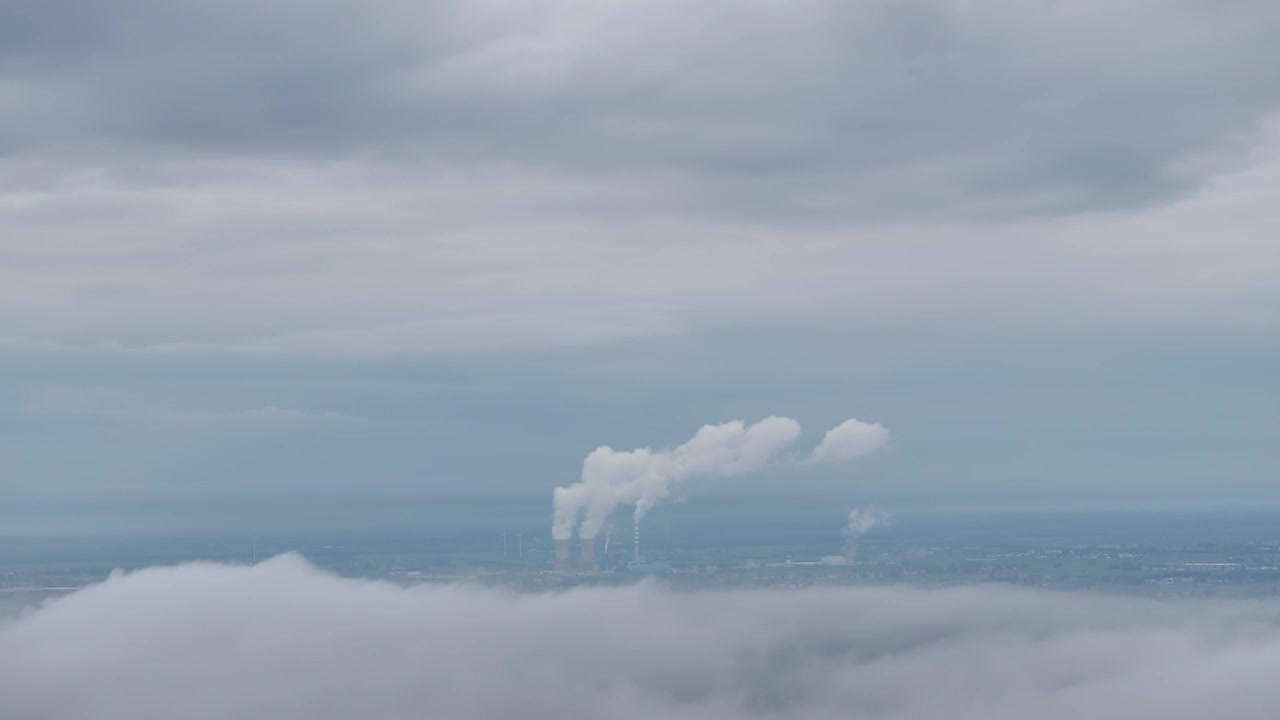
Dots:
{"x": 562, "y": 555}
{"x": 587, "y": 559}
{"x": 637, "y": 543}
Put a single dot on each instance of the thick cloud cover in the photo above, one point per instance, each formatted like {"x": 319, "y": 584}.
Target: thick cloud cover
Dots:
{"x": 229, "y": 213}
{"x": 384, "y": 178}
{"x": 798, "y": 109}
{"x": 283, "y": 641}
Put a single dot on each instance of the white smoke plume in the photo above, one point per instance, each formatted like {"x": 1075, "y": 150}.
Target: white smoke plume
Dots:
{"x": 646, "y": 477}
{"x": 849, "y": 440}
{"x": 860, "y": 523}
{"x": 284, "y": 641}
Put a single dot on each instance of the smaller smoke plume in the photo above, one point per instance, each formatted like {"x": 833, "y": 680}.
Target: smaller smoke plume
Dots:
{"x": 849, "y": 440}
{"x": 861, "y": 522}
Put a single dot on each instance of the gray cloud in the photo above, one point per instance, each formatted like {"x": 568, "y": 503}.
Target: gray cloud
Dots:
{"x": 282, "y": 261}
{"x": 221, "y": 191}
{"x": 811, "y": 110}
{"x": 388, "y": 179}
{"x": 281, "y": 640}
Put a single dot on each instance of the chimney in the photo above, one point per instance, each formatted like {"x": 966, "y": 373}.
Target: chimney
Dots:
{"x": 637, "y": 543}
{"x": 562, "y": 555}
{"x": 587, "y": 559}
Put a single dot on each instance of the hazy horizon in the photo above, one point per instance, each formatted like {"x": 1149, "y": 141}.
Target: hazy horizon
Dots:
{"x": 714, "y": 359}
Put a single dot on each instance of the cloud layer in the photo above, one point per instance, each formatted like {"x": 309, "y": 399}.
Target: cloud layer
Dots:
{"x": 114, "y": 404}
{"x": 220, "y": 179}
{"x": 815, "y": 108}
{"x": 284, "y": 641}
{"x": 236, "y": 212}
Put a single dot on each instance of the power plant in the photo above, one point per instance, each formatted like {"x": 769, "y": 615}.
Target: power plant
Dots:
{"x": 644, "y": 478}
{"x": 562, "y": 555}
{"x": 587, "y": 555}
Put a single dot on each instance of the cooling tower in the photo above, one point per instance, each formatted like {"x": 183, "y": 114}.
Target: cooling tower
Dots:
{"x": 562, "y": 555}
{"x": 587, "y": 560}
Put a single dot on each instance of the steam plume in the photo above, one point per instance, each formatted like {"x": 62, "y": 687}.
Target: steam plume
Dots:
{"x": 848, "y": 440}
{"x": 861, "y": 522}
{"x": 645, "y": 477}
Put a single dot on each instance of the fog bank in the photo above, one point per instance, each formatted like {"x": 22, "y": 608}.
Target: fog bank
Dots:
{"x": 284, "y": 640}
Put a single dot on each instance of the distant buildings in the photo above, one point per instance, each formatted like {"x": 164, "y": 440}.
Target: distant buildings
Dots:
{"x": 652, "y": 568}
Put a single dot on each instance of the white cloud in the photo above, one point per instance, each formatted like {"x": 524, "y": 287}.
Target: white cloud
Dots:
{"x": 283, "y": 641}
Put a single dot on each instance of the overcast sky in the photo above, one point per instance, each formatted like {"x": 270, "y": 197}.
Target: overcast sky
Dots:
{"x": 379, "y": 247}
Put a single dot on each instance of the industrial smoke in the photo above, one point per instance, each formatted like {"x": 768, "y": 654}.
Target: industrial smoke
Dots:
{"x": 646, "y": 477}
{"x": 849, "y": 440}
{"x": 860, "y": 523}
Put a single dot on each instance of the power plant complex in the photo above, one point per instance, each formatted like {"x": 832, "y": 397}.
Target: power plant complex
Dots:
{"x": 644, "y": 478}
{"x": 587, "y": 560}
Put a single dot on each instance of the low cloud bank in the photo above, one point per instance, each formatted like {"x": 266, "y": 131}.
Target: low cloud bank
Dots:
{"x": 285, "y": 641}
